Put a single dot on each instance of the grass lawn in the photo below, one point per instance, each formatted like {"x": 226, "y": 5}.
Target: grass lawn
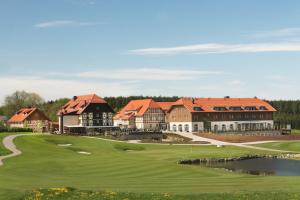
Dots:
{"x": 288, "y": 146}
{"x": 3, "y": 151}
{"x": 119, "y": 167}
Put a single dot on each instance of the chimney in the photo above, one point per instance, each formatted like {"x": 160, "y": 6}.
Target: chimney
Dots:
{"x": 227, "y": 97}
{"x": 74, "y": 98}
{"x": 193, "y": 100}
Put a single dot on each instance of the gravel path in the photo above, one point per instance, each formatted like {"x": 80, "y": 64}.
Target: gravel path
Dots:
{"x": 221, "y": 143}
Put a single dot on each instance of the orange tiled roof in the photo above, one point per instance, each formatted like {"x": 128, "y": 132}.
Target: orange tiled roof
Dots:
{"x": 208, "y": 104}
{"x": 136, "y": 108}
{"x": 22, "y": 114}
{"x": 165, "y": 106}
{"x": 78, "y": 104}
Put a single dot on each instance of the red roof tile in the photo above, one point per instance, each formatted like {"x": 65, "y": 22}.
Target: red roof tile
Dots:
{"x": 136, "y": 108}
{"x": 22, "y": 114}
{"x": 208, "y": 104}
{"x": 78, "y": 104}
{"x": 165, "y": 106}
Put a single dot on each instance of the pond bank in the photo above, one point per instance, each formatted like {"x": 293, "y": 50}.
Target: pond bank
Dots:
{"x": 248, "y": 157}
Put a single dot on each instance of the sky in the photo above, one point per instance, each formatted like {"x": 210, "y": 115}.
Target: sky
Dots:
{"x": 193, "y": 48}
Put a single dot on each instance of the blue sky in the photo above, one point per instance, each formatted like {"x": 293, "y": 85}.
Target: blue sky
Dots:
{"x": 212, "y": 48}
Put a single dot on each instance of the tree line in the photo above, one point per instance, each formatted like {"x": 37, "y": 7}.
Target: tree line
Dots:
{"x": 288, "y": 112}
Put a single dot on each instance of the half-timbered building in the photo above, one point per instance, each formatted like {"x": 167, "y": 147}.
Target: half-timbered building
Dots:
{"x": 86, "y": 111}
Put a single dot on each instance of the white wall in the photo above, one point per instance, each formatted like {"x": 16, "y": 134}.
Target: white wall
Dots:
{"x": 70, "y": 120}
{"x": 190, "y": 124}
{"x": 235, "y": 124}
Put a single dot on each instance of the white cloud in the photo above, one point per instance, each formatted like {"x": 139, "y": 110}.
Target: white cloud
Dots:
{"x": 52, "y": 88}
{"x": 148, "y": 74}
{"x": 64, "y": 23}
{"x": 221, "y": 48}
{"x": 286, "y": 32}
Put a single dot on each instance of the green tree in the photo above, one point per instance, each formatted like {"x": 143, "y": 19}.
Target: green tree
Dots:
{"x": 21, "y": 99}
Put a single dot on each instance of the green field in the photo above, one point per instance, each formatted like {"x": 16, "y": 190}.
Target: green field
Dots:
{"x": 3, "y": 151}
{"x": 120, "y": 167}
{"x": 287, "y": 146}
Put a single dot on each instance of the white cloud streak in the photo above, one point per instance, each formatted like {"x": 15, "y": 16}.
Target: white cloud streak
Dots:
{"x": 148, "y": 74}
{"x": 64, "y": 23}
{"x": 286, "y": 32}
{"x": 54, "y": 88}
{"x": 220, "y": 48}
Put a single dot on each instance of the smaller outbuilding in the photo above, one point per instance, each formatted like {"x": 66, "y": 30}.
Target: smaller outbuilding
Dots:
{"x": 30, "y": 118}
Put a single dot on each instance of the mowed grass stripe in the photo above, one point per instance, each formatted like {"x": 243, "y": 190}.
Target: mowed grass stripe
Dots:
{"x": 153, "y": 169}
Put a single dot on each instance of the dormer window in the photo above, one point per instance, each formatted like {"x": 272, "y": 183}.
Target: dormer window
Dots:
{"x": 249, "y": 108}
{"x": 220, "y": 108}
{"x": 197, "y": 108}
{"x": 235, "y": 108}
{"x": 262, "y": 108}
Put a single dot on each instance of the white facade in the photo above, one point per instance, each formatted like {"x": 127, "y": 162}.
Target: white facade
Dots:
{"x": 70, "y": 120}
{"x": 241, "y": 125}
{"x": 221, "y": 126}
{"x": 186, "y": 126}
{"x": 120, "y": 122}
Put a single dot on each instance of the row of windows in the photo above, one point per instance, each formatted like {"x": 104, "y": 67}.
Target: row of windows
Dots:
{"x": 246, "y": 126}
{"x": 97, "y": 115}
{"x": 185, "y": 128}
{"x": 239, "y": 108}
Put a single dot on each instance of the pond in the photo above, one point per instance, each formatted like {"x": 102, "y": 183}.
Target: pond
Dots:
{"x": 260, "y": 166}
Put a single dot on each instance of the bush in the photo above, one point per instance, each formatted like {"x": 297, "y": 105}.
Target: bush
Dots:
{"x": 12, "y": 130}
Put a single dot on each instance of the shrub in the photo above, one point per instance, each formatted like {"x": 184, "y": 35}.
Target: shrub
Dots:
{"x": 15, "y": 130}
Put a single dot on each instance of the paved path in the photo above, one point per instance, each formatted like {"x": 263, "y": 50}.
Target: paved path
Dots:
{"x": 221, "y": 143}
{"x": 9, "y": 144}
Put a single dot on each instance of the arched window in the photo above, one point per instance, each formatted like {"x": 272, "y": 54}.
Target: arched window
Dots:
{"x": 231, "y": 127}
{"x": 223, "y": 127}
{"x": 180, "y": 127}
{"x": 196, "y": 127}
{"x": 186, "y": 128}
{"x": 216, "y": 128}
{"x": 174, "y": 127}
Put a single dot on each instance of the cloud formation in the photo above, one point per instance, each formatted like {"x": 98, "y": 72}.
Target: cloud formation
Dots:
{"x": 64, "y": 23}
{"x": 220, "y": 48}
{"x": 148, "y": 74}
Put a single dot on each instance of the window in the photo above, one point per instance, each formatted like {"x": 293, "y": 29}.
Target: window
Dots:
{"x": 216, "y": 128}
{"x": 262, "y": 108}
{"x": 231, "y": 127}
{"x": 90, "y": 115}
{"x": 84, "y": 116}
{"x": 223, "y": 127}
{"x": 235, "y": 108}
{"x": 220, "y": 108}
{"x": 196, "y": 127}
{"x": 180, "y": 127}
{"x": 90, "y": 122}
{"x": 198, "y": 108}
{"x": 104, "y": 115}
{"x": 250, "y": 108}
{"x": 110, "y": 115}
{"x": 186, "y": 128}
{"x": 97, "y": 115}
{"x": 174, "y": 127}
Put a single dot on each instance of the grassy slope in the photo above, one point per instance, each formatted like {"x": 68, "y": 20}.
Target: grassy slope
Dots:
{"x": 3, "y": 151}
{"x": 288, "y": 146}
{"x": 154, "y": 169}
